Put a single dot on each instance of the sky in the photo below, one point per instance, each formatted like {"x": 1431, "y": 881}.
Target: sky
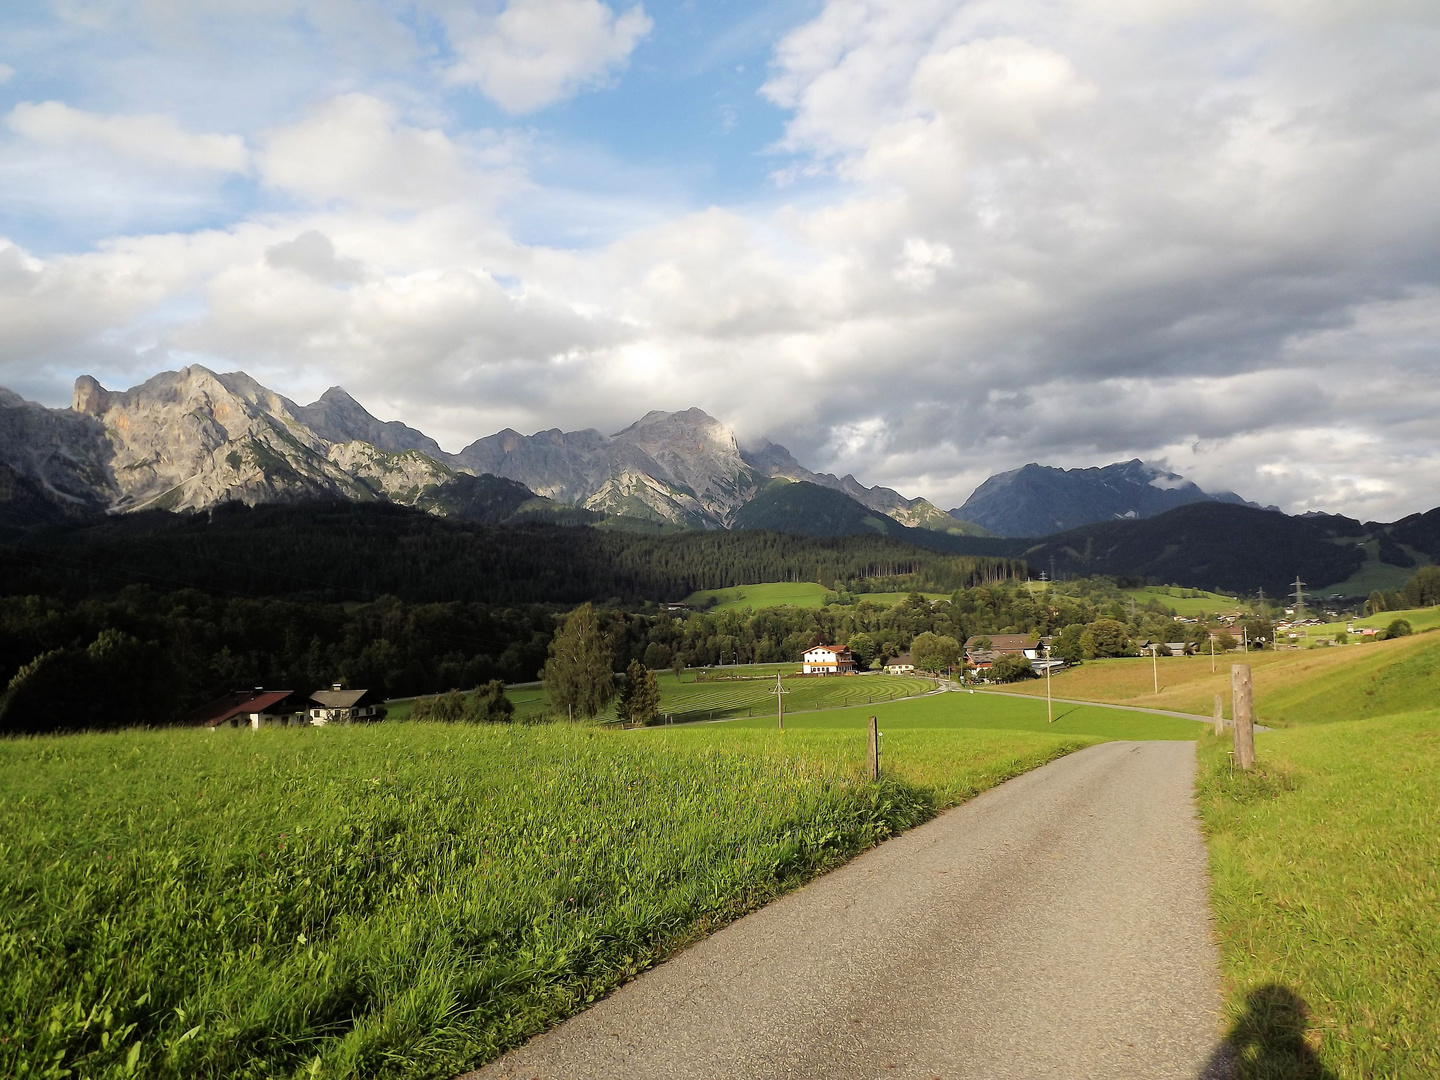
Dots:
{"x": 917, "y": 241}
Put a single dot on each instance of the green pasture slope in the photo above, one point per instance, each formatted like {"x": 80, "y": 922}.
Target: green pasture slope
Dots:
{"x": 801, "y": 594}
{"x": 409, "y": 900}
{"x": 1189, "y": 606}
{"x": 1420, "y": 619}
{"x": 1325, "y": 864}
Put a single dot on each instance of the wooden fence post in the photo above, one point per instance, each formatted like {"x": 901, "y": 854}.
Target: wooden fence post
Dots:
{"x": 874, "y": 754}
{"x": 1219, "y": 716}
{"x": 1242, "y": 715}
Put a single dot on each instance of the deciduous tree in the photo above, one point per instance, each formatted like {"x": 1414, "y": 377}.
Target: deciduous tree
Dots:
{"x": 577, "y": 677}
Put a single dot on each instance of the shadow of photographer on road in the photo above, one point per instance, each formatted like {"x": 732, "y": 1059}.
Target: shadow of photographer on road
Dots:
{"x": 1268, "y": 1041}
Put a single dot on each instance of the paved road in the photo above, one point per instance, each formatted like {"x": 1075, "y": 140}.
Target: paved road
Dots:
{"x": 1056, "y": 926}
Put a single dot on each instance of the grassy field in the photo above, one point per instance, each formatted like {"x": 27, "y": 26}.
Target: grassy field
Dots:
{"x": 1188, "y": 606}
{"x": 1419, "y": 619}
{"x": 803, "y": 594}
{"x": 1297, "y": 686}
{"x": 747, "y": 692}
{"x": 412, "y": 899}
{"x": 1325, "y": 867}
{"x": 1372, "y": 576}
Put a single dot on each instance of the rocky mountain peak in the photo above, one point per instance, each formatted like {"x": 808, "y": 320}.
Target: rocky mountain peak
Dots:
{"x": 90, "y": 397}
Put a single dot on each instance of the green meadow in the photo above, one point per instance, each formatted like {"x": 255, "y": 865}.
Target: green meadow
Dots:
{"x": 1325, "y": 869}
{"x": 408, "y": 900}
{"x": 1174, "y": 598}
{"x": 801, "y": 594}
{"x": 1420, "y": 619}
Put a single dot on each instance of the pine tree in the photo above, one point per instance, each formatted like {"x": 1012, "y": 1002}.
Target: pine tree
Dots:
{"x": 640, "y": 697}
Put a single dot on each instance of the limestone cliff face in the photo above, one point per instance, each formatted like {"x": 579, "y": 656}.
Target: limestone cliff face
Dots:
{"x": 188, "y": 439}
{"x": 682, "y": 467}
{"x": 400, "y": 477}
{"x": 62, "y": 456}
{"x": 192, "y": 438}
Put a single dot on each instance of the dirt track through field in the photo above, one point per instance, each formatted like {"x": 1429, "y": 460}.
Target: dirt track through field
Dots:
{"x": 1057, "y": 926}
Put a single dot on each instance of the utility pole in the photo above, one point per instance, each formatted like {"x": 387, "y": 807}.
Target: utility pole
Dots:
{"x": 1155, "y": 663}
{"x": 779, "y": 693}
{"x": 1212, "y": 654}
{"x": 1049, "y": 702}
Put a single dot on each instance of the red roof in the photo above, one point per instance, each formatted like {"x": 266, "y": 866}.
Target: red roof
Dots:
{"x": 242, "y": 702}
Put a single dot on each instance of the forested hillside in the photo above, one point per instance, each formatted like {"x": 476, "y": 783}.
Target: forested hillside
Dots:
{"x": 1206, "y": 545}
{"x": 344, "y": 551}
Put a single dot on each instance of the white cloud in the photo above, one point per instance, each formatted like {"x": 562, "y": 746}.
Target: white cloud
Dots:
{"x": 157, "y": 140}
{"x": 356, "y": 147}
{"x": 538, "y": 52}
{"x": 6, "y": 73}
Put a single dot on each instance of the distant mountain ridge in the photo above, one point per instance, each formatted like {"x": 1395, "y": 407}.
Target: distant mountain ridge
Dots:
{"x": 1040, "y": 500}
{"x": 191, "y": 439}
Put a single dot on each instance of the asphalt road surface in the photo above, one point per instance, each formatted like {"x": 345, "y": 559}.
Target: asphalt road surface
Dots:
{"x": 1056, "y": 926}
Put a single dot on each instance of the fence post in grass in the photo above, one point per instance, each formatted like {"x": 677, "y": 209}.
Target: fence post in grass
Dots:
{"x": 1242, "y": 714}
{"x": 873, "y": 756}
{"x": 1219, "y": 716}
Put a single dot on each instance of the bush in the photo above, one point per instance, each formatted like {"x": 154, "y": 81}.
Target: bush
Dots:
{"x": 488, "y": 704}
{"x": 1398, "y": 628}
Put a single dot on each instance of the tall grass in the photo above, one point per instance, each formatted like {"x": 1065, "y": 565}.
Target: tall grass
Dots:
{"x": 403, "y": 900}
{"x": 1325, "y": 865}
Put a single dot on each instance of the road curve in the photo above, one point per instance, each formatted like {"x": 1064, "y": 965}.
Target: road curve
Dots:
{"x": 1056, "y": 926}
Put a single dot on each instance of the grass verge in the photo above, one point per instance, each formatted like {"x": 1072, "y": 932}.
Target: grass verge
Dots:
{"x": 1325, "y": 866}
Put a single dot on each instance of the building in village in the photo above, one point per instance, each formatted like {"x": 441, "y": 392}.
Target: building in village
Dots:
{"x": 982, "y": 657}
{"x": 983, "y": 650}
{"x": 255, "y": 708}
{"x": 900, "y": 665}
{"x": 828, "y": 660}
{"x": 340, "y": 706}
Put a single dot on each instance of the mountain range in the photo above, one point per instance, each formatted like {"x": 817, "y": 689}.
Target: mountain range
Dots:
{"x": 191, "y": 439}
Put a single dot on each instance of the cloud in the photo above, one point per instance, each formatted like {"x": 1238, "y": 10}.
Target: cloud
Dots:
{"x": 6, "y": 73}
{"x": 156, "y": 140}
{"x": 356, "y": 147}
{"x": 538, "y": 52}
{"x": 311, "y": 253}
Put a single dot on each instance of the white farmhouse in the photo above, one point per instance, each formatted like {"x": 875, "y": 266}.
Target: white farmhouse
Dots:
{"x": 828, "y": 660}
